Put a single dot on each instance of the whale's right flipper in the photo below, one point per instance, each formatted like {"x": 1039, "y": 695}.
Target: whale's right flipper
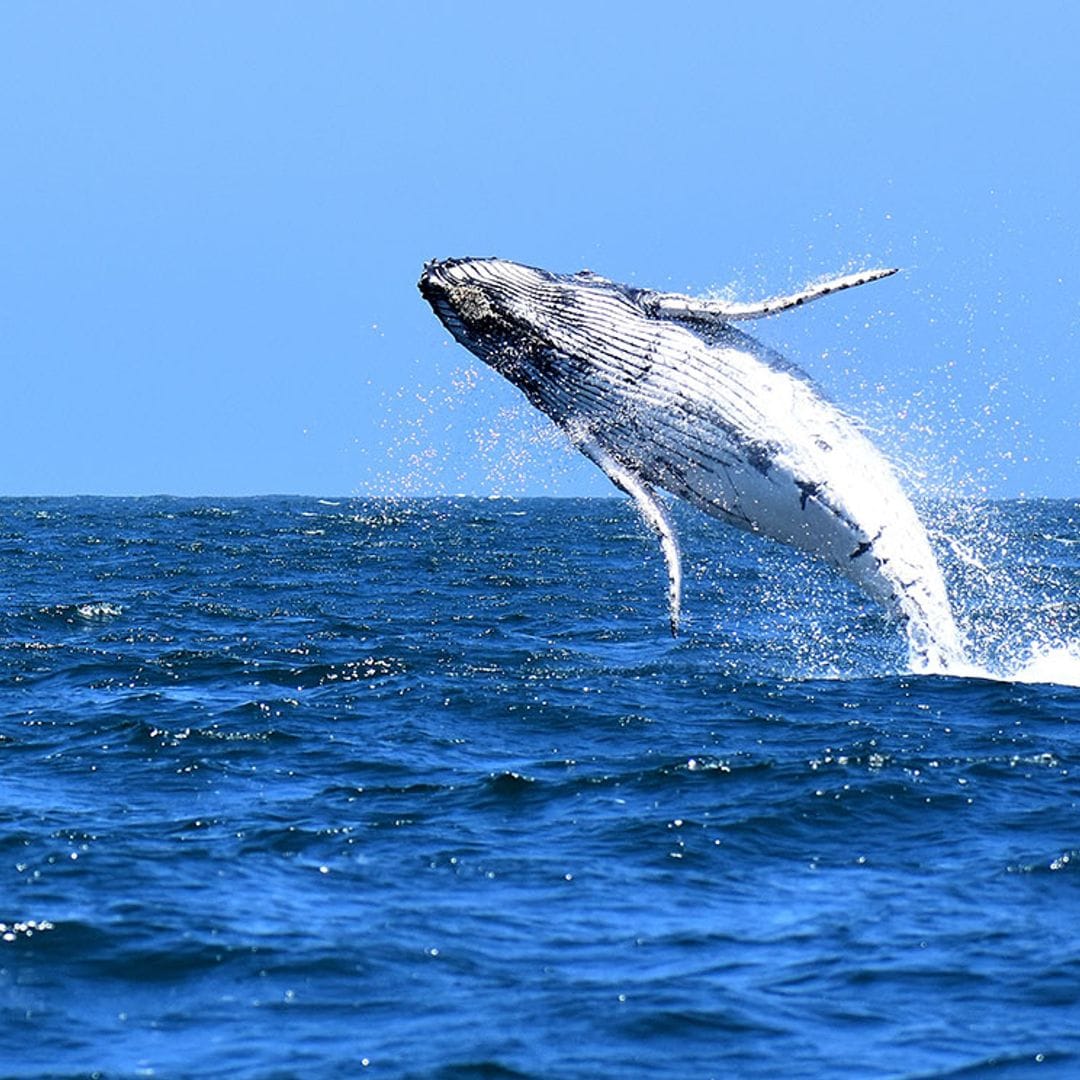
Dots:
{"x": 695, "y": 309}
{"x": 654, "y": 513}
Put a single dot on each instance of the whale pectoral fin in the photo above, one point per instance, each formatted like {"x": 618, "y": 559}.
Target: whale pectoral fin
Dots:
{"x": 695, "y": 309}
{"x": 654, "y": 514}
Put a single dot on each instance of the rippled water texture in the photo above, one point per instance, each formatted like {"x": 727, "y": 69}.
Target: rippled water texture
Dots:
{"x": 303, "y": 788}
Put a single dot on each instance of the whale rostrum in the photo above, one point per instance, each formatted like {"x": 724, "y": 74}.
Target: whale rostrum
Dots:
{"x": 661, "y": 391}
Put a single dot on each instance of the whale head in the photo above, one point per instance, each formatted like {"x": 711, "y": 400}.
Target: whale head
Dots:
{"x": 512, "y": 317}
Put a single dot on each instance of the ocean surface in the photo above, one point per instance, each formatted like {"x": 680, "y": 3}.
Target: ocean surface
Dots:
{"x": 294, "y": 787}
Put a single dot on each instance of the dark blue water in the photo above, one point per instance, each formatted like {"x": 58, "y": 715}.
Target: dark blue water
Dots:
{"x": 424, "y": 789}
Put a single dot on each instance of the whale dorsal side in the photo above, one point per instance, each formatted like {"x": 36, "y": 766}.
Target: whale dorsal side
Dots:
{"x": 698, "y": 309}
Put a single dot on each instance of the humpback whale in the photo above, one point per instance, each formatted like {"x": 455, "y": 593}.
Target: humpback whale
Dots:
{"x": 662, "y": 391}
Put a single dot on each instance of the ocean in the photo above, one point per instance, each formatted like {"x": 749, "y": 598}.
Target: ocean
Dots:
{"x": 297, "y": 787}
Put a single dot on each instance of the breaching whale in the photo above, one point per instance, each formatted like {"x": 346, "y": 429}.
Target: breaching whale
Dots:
{"x": 660, "y": 390}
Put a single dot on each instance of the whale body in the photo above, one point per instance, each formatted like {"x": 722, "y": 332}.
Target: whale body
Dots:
{"x": 660, "y": 390}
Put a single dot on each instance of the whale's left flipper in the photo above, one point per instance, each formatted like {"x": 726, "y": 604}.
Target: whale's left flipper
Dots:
{"x": 654, "y": 513}
{"x": 695, "y": 309}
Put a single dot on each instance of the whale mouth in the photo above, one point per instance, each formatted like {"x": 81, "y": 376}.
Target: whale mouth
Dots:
{"x": 434, "y": 286}
{"x": 459, "y": 304}
{"x": 432, "y": 283}
{"x": 460, "y": 298}
{"x": 440, "y": 281}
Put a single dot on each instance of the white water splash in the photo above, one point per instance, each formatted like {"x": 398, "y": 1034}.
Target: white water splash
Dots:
{"x": 1051, "y": 665}
{"x": 468, "y": 432}
{"x": 1047, "y": 665}
{"x": 1012, "y": 590}
{"x": 1056, "y": 664}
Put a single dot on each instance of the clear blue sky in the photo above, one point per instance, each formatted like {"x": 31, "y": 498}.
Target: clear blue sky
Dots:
{"x": 213, "y": 216}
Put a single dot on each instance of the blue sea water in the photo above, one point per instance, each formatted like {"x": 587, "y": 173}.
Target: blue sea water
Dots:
{"x": 294, "y": 787}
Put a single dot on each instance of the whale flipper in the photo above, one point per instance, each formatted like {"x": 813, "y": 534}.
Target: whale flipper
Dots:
{"x": 652, "y": 511}
{"x": 696, "y": 309}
